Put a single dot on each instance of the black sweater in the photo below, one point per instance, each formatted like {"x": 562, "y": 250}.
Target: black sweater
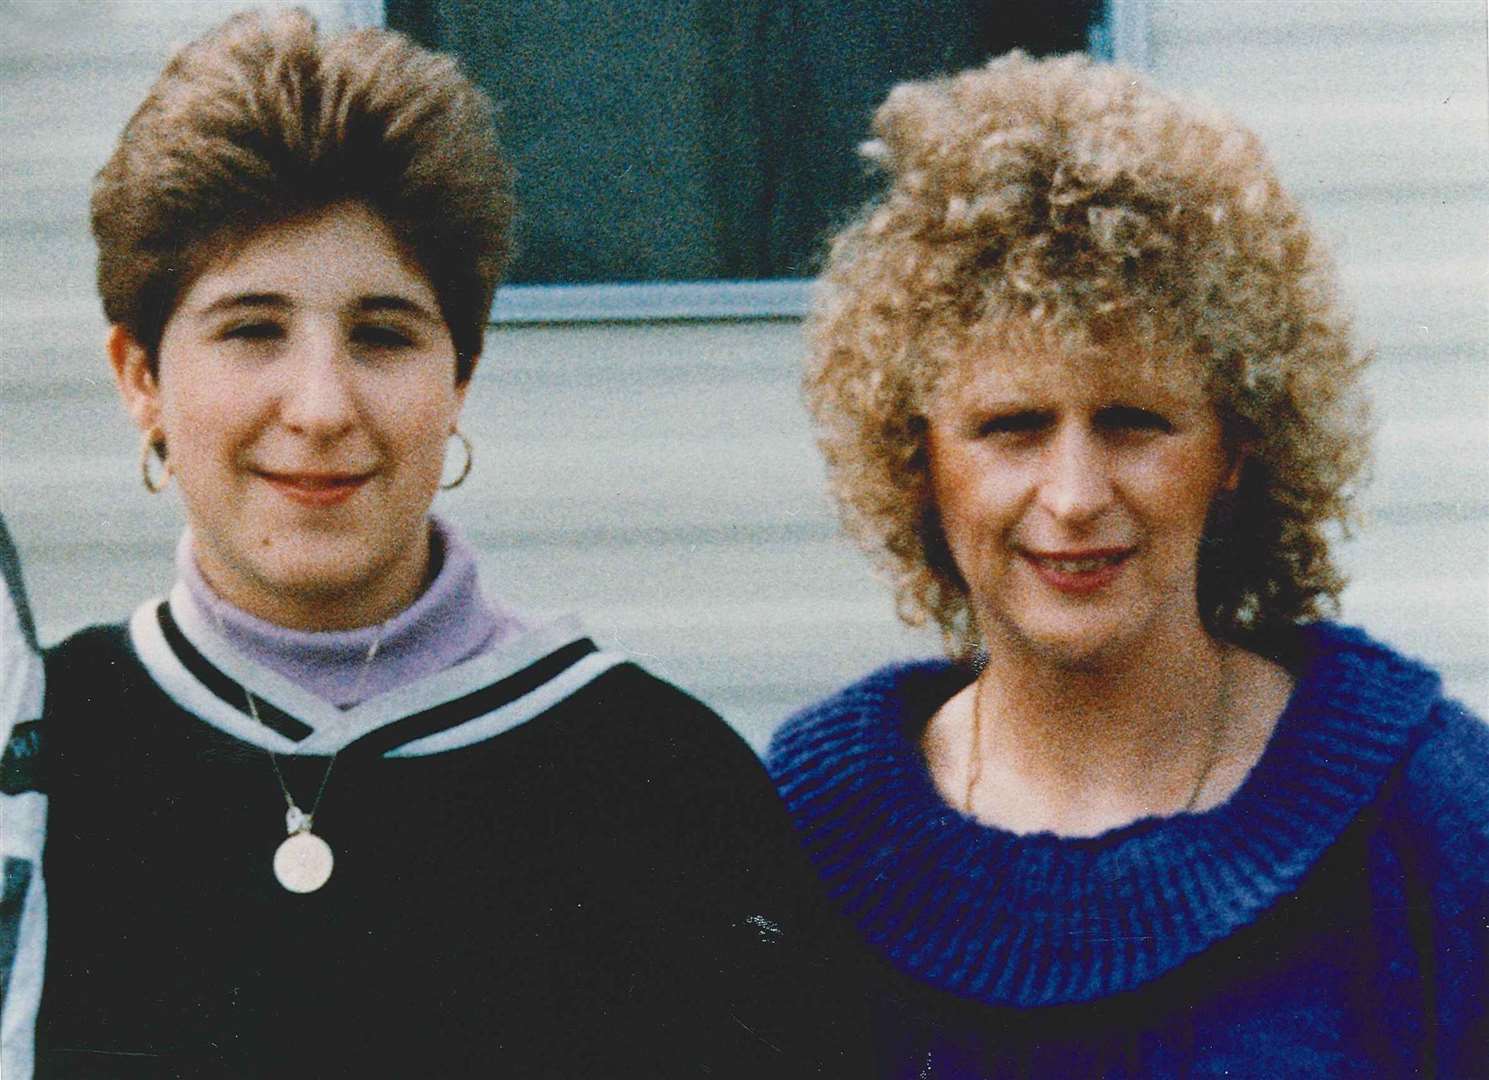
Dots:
{"x": 603, "y": 885}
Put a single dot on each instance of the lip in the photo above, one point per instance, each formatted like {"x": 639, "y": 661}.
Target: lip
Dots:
{"x": 316, "y": 489}
{"x": 1054, "y": 569}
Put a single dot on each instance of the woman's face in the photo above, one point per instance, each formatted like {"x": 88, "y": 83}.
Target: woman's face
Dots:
{"x": 1073, "y": 494}
{"x": 305, "y": 391}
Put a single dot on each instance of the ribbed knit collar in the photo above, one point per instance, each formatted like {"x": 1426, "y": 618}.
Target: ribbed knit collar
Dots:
{"x": 1037, "y": 919}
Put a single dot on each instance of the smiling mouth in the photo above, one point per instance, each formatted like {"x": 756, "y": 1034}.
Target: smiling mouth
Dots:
{"x": 316, "y": 489}
{"x": 1078, "y": 573}
{"x": 1079, "y": 564}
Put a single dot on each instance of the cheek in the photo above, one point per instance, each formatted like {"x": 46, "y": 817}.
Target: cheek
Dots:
{"x": 421, "y": 429}
{"x": 198, "y": 426}
{"x": 977, "y": 507}
{"x": 202, "y": 393}
{"x": 1182, "y": 486}
{"x": 427, "y": 456}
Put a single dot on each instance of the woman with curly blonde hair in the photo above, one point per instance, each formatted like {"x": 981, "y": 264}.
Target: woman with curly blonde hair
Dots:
{"x": 1087, "y": 397}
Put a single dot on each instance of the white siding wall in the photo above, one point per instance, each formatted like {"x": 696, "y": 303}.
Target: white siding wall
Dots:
{"x": 660, "y": 478}
{"x": 1377, "y": 114}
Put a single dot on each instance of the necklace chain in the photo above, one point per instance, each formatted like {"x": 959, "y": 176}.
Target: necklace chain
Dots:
{"x": 297, "y": 820}
{"x": 1219, "y": 722}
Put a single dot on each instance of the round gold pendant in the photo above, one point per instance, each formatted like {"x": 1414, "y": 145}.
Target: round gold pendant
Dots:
{"x": 303, "y": 862}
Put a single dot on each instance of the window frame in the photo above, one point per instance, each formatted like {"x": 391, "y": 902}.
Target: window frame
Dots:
{"x": 1125, "y": 39}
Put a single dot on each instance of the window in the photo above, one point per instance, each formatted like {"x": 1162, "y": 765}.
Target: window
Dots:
{"x": 707, "y": 140}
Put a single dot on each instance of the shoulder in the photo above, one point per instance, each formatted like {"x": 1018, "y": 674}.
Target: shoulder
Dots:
{"x": 1376, "y": 675}
{"x": 16, "y": 609}
{"x": 1445, "y": 794}
{"x": 650, "y": 743}
{"x": 631, "y": 688}
{"x": 20, "y": 668}
{"x": 88, "y": 659}
{"x": 841, "y": 762}
{"x": 1437, "y": 788}
{"x": 629, "y": 700}
{"x": 862, "y": 713}
{"x": 92, "y": 661}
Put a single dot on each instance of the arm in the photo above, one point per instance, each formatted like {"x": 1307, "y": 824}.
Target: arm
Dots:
{"x": 22, "y": 822}
{"x": 1445, "y": 804}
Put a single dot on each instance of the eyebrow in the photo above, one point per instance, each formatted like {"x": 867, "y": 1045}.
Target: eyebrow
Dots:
{"x": 393, "y": 302}
{"x": 378, "y": 302}
{"x": 244, "y": 300}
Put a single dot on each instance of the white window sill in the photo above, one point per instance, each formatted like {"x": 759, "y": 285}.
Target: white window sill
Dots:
{"x": 780, "y": 298}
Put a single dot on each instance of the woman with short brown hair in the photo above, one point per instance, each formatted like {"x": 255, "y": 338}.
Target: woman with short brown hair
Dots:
{"x": 327, "y": 809}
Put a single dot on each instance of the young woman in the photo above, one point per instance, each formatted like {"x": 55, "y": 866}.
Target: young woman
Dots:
{"x": 327, "y": 809}
{"x": 1084, "y": 391}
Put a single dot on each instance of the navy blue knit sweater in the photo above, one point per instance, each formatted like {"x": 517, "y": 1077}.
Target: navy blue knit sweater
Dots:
{"x": 1330, "y": 919}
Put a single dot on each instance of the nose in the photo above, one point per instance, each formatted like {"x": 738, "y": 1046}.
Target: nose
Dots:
{"x": 318, "y": 399}
{"x": 1076, "y": 482}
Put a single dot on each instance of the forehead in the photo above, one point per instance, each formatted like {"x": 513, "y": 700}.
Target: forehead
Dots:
{"x": 1038, "y": 365}
{"x": 346, "y": 248}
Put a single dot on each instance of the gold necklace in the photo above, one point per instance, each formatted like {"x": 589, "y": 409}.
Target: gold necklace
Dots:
{"x": 303, "y": 861}
{"x": 1219, "y": 722}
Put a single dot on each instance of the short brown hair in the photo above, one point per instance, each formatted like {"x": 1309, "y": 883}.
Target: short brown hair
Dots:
{"x": 1078, "y": 200}
{"x": 262, "y": 120}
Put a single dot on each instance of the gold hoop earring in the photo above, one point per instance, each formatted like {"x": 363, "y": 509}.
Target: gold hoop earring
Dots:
{"x": 153, "y": 445}
{"x": 469, "y": 461}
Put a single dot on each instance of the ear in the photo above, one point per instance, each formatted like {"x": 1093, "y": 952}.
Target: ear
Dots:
{"x": 138, "y": 386}
{"x": 462, "y": 388}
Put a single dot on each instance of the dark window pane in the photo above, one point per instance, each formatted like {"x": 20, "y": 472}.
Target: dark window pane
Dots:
{"x": 704, "y": 139}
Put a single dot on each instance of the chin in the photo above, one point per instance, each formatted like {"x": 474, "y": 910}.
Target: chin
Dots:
{"x": 321, "y": 569}
{"x": 1076, "y": 655}
{"x": 1072, "y": 645}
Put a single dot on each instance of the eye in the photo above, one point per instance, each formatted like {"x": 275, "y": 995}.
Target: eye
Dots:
{"x": 1021, "y": 422}
{"x": 382, "y": 336}
{"x": 1120, "y": 418}
{"x": 256, "y": 330}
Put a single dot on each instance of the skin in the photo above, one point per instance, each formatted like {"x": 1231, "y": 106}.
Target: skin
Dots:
{"x": 1036, "y": 460}
{"x": 1073, "y": 491}
{"x": 305, "y": 392}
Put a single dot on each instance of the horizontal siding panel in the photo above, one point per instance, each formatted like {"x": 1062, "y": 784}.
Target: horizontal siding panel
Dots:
{"x": 1427, "y": 466}
{"x": 1440, "y": 71}
{"x": 1325, "y": 146}
{"x": 46, "y": 209}
{"x": 41, "y": 33}
{"x": 52, "y": 351}
{"x": 1403, "y": 227}
{"x": 81, "y": 113}
{"x": 1422, "y": 306}
{"x": 630, "y": 355}
{"x": 45, "y": 164}
{"x": 1328, "y": 20}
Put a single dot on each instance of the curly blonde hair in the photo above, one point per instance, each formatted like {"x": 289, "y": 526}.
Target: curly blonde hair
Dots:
{"x": 1077, "y": 200}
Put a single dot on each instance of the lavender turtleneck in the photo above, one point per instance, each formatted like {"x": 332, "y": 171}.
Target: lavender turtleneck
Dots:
{"x": 451, "y": 621}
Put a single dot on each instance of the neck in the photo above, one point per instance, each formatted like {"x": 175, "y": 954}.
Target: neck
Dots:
{"x": 1080, "y": 751}
{"x": 330, "y": 606}
{"x": 450, "y": 621}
